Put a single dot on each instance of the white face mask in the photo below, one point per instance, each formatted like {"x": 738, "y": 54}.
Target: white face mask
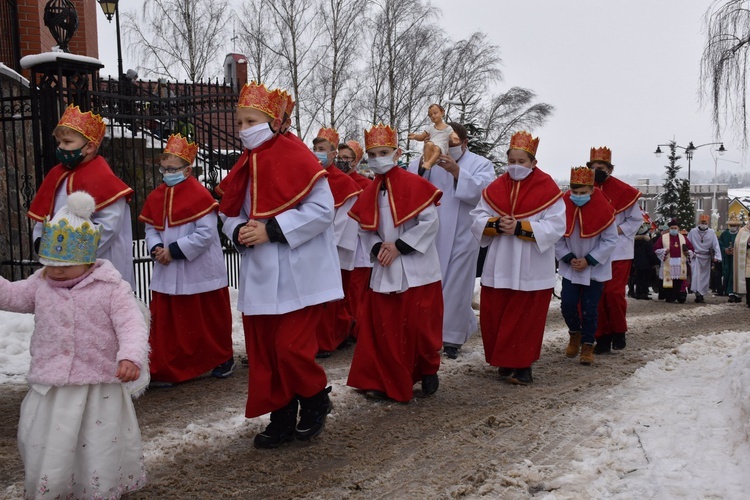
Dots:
{"x": 733, "y": 229}
{"x": 702, "y": 227}
{"x": 256, "y": 135}
{"x": 517, "y": 172}
{"x": 456, "y": 152}
{"x": 381, "y": 164}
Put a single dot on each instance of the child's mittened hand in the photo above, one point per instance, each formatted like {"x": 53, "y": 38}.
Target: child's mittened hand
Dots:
{"x": 127, "y": 371}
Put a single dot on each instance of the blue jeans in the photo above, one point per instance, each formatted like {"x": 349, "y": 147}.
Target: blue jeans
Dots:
{"x": 588, "y": 297}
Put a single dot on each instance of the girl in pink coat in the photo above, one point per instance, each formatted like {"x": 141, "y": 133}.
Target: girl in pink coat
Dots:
{"x": 78, "y": 435}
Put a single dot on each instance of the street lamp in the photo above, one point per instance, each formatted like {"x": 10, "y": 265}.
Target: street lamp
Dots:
{"x": 110, "y": 9}
{"x": 689, "y": 151}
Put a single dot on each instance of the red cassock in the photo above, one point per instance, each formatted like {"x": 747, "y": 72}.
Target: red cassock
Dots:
{"x": 190, "y": 334}
{"x": 613, "y": 306}
{"x": 337, "y": 319}
{"x": 360, "y": 276}
{"x": 281, "y": 348}
{"x": 400, "y": 334}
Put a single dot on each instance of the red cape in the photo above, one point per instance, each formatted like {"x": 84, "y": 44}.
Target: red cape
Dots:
{"x": 343, "y": 187}
{"x": 95, "y": 177}
{"x": 179, "y": 204}
{"x": 522, "y": 199}
{"x": 360, "y": 179}
{"x": 408, "y": 195}
{"x": 279, "y": 174}
{"x": 593, "y": 218}
{"x": 620, "y": 195}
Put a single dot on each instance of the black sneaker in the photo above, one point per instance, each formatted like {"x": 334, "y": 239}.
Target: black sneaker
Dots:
{"x": 225, "y": 369}
{"x": 618, "y": 341}
{"x": 521, "y": 376}
{"x": 699, "y": 298}
{"x": 603, "y": 344}
{"x": 505, "y": 372}
{"x": 244, "y": 361}
{"x": 450, "y": 352}
{"x": 376, "y": 395}
{"x": 312, "y": 415}
{"x": 324, "y": 354}
{"x": 430, "y": 384}
{"x": 281, "y": 428}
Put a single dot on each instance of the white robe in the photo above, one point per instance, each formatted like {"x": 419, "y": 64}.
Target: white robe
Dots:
{"x": 116, "y": 243}
{"x": 203, "y": 269}
{"x": 457, "y": 249}
{"x": 417, "y": 268}
{"x": 600, "y": 247}
{"x": 345, "y": 233}
{"x": 277, "y": 278}
{"x": 703, "y": 243}
{"x": 519, "y": 264}
{"x": 628, "y": 221}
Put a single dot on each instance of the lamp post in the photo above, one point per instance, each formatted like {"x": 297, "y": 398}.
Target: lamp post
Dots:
{"x": 110, "y": 9}
{"x": 689, "y": 151}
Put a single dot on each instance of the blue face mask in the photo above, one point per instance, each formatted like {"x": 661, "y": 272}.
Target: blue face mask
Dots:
{"x": 673, "y": 232}
{"x": 580, "y": 200}
{"x": 173, "y": 179}
{"x": 322, "y": 157}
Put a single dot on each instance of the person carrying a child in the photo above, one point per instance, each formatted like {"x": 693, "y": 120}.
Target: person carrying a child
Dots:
{"x": 78, "y": 435}
{"x": 436, "y": 136}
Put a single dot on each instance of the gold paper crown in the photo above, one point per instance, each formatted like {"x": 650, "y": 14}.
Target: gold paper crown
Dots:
{"x": 330, "y": 135}
{"x": 257, "y": 96}
{"x": 358, "y": 152}
{"x": 704, "y": 218}
{"x": 179, "y": 146}
{"x": 733, "y": 220}
{"x": 381, "y": 136}
{"x": 523, "y": 141}
{"x": 87, "y": 124}
{"x": 603, "y": 154}
{"x": 582, "y": 176}
{"x": 289, "y": 105}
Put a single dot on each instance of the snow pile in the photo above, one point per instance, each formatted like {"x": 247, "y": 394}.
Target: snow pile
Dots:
{"x": 15, "y": 335}
{"x": 678, "y": 428}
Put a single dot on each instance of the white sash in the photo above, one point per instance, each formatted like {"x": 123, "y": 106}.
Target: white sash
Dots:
{"x": 667, "y": 263}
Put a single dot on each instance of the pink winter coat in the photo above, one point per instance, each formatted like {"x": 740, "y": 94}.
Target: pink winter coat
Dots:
{"x": 80, "y": 333}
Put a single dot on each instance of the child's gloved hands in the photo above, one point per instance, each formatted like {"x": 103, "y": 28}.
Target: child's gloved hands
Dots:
{"x": 127, "y": 371}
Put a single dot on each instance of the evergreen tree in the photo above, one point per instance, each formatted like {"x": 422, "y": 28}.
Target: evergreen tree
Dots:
{"x": 685, "y": 207}
{"x": 667, "y": 204}
{"x": 479, "y": 146}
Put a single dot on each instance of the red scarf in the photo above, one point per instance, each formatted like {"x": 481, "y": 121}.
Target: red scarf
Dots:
{"x": 178, "y": 205}
{"x": 593, "y": 218}
{"x": 524, "y": 198}
{"x": 278, "y": 174}
{"x": 95, "y": 177}
{"x": 408, "y": 195}
{"x": 343, "y": 187}
{"x": 620, "y": 195}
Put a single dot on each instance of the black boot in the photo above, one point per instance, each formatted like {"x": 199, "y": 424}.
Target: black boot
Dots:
{"x": 618, "y": 341}
{"x": 312, "y": 415}
{"x": 699, "y": 298}
{"x": 603, "y": 344}
{"x": 281, "y": 428}
{"x": 521, "y": 376}
{"x": 430, "y": 384}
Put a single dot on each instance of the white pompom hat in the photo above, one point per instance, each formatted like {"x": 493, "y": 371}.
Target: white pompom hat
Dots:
{"x": 70, "y": 238}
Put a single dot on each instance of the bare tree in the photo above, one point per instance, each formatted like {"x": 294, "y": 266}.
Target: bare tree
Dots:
{"x": 263, "y": 65}
{"x": 724, "y": 65}
{"x": 178, "y": 38}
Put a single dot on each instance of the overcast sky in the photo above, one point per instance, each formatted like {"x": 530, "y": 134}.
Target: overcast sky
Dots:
{"x": 622, "y": 74}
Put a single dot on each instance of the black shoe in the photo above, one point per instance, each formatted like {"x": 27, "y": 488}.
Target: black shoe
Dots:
{"x": 505, "y": 372}
{"x": 324, "y": 354}
{"x": 521, "y": 376}
{"x": 450, "y": 352}
{"x": 244, "y": 361}
{"x": 603, "y": 344}
{"x": 618, "y": 341}
{"x": 682, "y": 297}
{"x": 281, "y": 428}
{"x": 430, "y": 384}
{"x": 376, "y": 395}
{"x": 312, "y": 415}
{"x": 699, "y": 298}
{"x": 225, "y": 369}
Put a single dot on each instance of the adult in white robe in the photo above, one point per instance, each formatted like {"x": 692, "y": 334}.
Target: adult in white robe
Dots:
{"x": 707, "y": 250}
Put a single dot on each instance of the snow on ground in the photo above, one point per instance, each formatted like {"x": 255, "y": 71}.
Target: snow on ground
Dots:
{"x": 679, "y": 427}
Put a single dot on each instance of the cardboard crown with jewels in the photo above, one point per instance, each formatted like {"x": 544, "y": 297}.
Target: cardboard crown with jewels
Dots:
{"x": 522, "y": 140}
{"x": 330, "y": 135}
{"x": 381, "y": 136}
{"x": 581, "y": 176}
{"x": 70, "y": 238}
{"x": 289, "y": 105}
{"x": 179, "y": 146}
{"x": 257, "y": 96}
{"x": 733, "y": 220}
{"x": 704, "y": 218}
{"x": 603, "y": 154}
{"x": 89, "y": 125}
{"x": 358, "y": 152}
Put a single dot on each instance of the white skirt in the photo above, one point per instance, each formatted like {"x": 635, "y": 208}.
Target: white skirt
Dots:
{"x": 80, "y": 441}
